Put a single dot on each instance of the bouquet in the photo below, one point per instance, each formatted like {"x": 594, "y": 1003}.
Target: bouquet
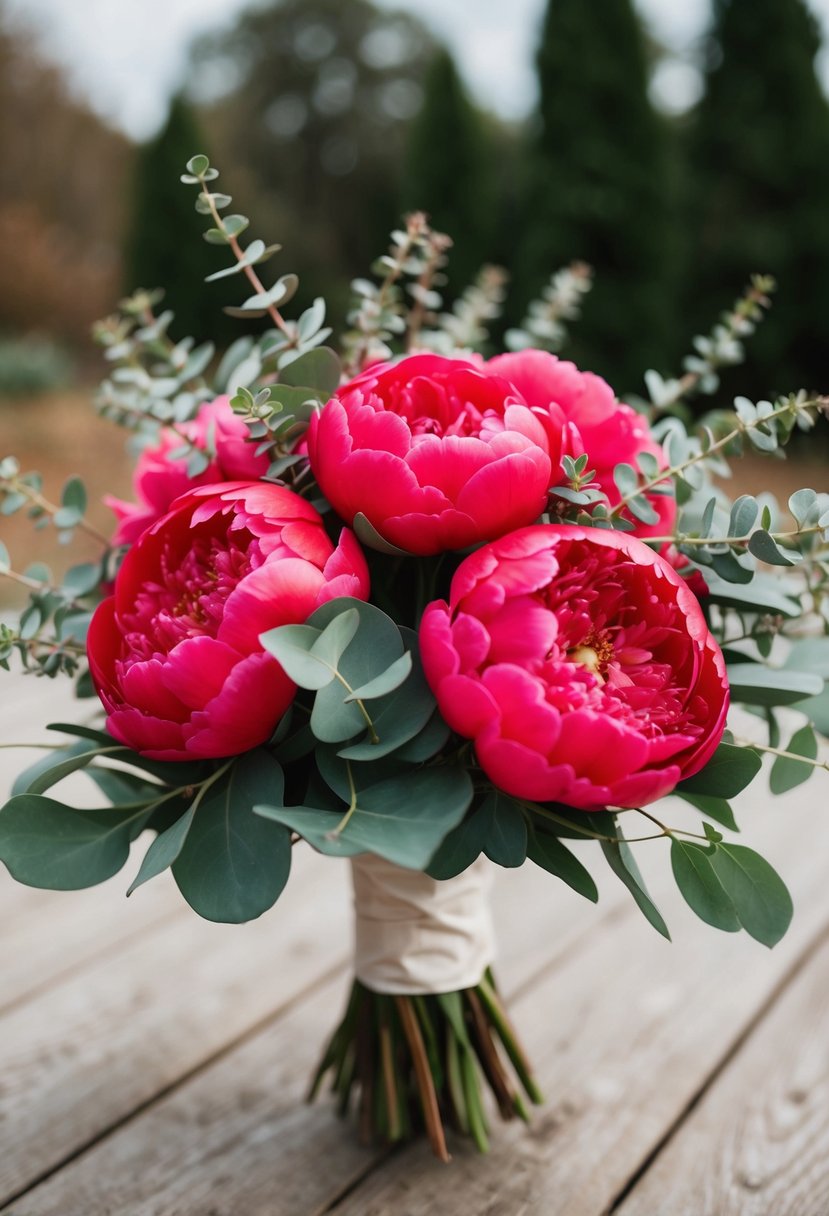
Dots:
{"x": 427, "y": 610}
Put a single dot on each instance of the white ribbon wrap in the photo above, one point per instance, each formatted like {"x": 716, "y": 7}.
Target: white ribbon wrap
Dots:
{"x": 415, "y": 935}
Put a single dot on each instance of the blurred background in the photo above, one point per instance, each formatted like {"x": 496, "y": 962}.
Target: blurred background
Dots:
{"x": 675, "y": 145}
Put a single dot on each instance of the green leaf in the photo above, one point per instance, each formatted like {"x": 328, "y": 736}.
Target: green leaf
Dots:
{"x": 367, "y": 534}
{"x": 505, "y": 839}
{"x": 729, "y": 568}
{"x": 336, "y": 637}
{"x": 700, "y": 887}
{"x": 403, "y": 819}
{"x": 762, "y": 595}
{"x": 622, "y": 863}
{"x": 726, "y": 774}
{"x": 627, "y": 481}
{"x": 787, "y": 774}
{"x": 291, "y": 646}
{"x": 47, "y": 844}
{"x": 756, "y": 684}
{"x": 643, "y": 510}
{"x": 744, "y": 514}
{"x": 548, "y": 852}
{"x": 234, "y": 865}
{"x": 53, "y": 767}
{"x": 764, "y": 547}
{"x": 386, "y": 682}
{"x": 398, "y": 716}
{"x": 713, "y": 807}
{"x": 759, "y": 895}
{"x": 800, "y": 503}
{"x": 164, "y": 850}
{"x": 198, "y": 164}
{"x": 426, "y": 742}
{"x": 375, "y": 646}
{"x": 318, "y": 370}
{"x": 459, "y": 849}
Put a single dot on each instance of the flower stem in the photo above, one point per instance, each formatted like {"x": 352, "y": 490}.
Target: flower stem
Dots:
{"x": 778, "y": 751}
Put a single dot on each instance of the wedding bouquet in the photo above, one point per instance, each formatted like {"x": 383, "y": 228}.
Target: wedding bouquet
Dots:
{"x": 426, "y": 610}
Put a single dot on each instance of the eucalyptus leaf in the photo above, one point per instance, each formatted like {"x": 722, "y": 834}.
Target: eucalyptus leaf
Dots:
{"x": 505, "y": 839}
{"x": 45, "y": 843}
{"x": 54, "y": 766}
{"x": 234, "y": 864}
{"x": 764, "y": 547}
{"x": 761, "y": 900}
{"x": 786, "y": 774}
{"x": 756, "y": 684}
{"x": 548, "y": 852}
{"x": 623, "y": 864}
{"x": 726, "y": 774}
{"x": 318, "y": 370}
{"x": 403, "y": 819}
{"x": 459, "y": 849}
{"x": 164, "y": 849}
{"x": 700, "y": 887}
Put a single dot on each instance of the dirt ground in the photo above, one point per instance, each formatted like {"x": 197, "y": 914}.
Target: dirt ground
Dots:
{"x": 61, "y": 435}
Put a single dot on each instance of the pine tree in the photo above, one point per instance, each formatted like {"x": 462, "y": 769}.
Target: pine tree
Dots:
{"x": 449, "y": 171}
{"x": 759, "y": 187}
{"x": 165, "y": 247}
{"x": 599, "y": 189}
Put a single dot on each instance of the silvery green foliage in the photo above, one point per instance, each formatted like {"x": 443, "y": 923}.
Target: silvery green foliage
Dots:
{"x": 465, "y": 328}
{"x": 723, "y": 347}
{"x": 382, "y": 313}
{"x": 561, "y": 300}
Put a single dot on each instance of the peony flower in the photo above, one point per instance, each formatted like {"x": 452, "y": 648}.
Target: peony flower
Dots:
{"x": 175, "y": 652}
{"x": 610, "y": 432}
{"x": 437, "y": 453}
{"x": 158, "y": 480}
{"x": 581, "y": 665}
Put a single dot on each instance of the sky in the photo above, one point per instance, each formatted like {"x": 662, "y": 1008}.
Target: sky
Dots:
{"x": 125, "y": 57}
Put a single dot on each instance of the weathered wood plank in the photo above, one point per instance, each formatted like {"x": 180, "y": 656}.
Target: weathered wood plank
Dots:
{"x": 623, "y": 1035}
{"x": 114, "y": 1034}
{"x": 232, "y": 1132}
{"x": 759, "y": 1141}
{"x": 624, "y": 1029}
{"x": 49, "y": 934}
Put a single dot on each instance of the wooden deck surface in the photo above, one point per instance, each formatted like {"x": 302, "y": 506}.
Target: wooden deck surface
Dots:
{"x": 152, "y": 1064}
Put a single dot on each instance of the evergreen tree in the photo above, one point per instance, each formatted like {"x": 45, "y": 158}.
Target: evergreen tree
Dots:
{"x": 759, "y": 187}
{"x": 449, "y": 171}
{"x": 598, "y": 187}
{"x": 165, "y": 247}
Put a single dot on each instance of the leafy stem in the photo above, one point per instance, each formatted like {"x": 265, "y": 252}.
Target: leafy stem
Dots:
{"x": 20, "y": 486}
{"x": 790, "y": 408}
{"x": 778, "y": 751}
{"x": 239, "y": 253}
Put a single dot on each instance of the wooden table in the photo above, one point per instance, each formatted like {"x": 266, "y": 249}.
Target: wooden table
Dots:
{"x": 152, "y": 1064}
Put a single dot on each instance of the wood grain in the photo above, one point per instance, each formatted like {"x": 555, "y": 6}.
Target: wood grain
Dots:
{"x": 759, "y": 1141}
{"x": 261, "y": 1153}
{"x": 623, "y": 1035}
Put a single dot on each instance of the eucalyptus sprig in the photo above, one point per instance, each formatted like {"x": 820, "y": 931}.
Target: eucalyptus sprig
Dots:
{"x": 723, "y": 347}
{"x": 289, "y": 339}
{"x": 465, "y": 328}
{"x": 560, "y": 301}
{"x": 380, "y": 314}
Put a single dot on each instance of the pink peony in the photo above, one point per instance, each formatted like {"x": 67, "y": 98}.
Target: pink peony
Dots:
{"x": 437, "y": 453}
{"x": 158, "y": 481}
{"x": 175, "y": 652}
{"x": 610, "y": 432}
{"x": 581, "y": 665}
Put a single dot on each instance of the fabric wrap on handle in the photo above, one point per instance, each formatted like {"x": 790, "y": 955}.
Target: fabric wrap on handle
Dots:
{"x": 415, "y": 935}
